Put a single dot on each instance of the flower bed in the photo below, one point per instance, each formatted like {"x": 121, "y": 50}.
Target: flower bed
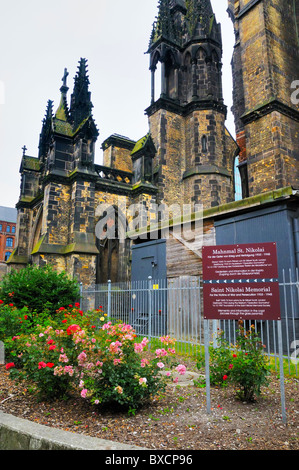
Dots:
{"x": 103, "y": 362}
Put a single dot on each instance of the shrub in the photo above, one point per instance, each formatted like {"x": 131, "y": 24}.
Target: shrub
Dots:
{"x": 12, "y": 321}
{"x": 103, "y": 365}
{"x": 39, "y": 289}
{"x": 220, "y": 359}
{"x": 47, "y": 357}
{"x": 243, "y": 364}
{"x": 115, "y": 370}
{"x": 35, "y": 358}
{"x": 249, "y": 368}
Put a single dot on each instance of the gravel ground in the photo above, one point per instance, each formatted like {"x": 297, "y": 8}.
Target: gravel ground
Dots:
{"x": 175, "y": 420}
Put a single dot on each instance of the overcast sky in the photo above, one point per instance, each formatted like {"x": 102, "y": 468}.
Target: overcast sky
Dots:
{"x": 40, "y": 38}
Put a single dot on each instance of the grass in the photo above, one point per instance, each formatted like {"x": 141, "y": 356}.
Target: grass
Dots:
{"x": 196, "y": 353}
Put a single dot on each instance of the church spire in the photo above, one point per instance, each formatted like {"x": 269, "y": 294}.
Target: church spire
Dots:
{"x": 165, "y": 27}
{"x": 62, "y": 112}
{"x": 46, "y": 129}
{"x": 81, "y": 104}
{"x": 182, "y": 21}
{"x": 200, "y": 19}
{"x": 186, "y": 40}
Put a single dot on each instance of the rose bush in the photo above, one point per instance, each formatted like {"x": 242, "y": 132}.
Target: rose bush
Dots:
{"x": 242, "y": 364}
{"x": 103, "y": 364}
{"x": 249, "y": 368}
{"x": 34, "y": 349}
{"x": 15, "y": 322}
{"x": 119, "y": 371}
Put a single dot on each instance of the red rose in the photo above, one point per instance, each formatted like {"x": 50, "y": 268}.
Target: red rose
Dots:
{"x": 50, "y": 364}
{"x": 64, "y": 321}
{"x": 41, "y": 365}
{"x": 72, "y": 329}
{"x": 9, "y": 365}
{"x": 77, "y": 304}
{"x": 224, "y": 377}
{"x": 50, "y": 341}
{"x": 1, "y": 302}
{"x": 52, "y": 347}
{"x": 11, "y": 305}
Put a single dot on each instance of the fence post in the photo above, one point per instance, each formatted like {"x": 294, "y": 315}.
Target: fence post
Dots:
{"x": 281, "y": 374}
{"x": 81, "y": 295}
{"x": 207, "y": 365}
{"x": 149, "y": 309}
{"x": 109, "y": 299}
{"x": 2, "y": 353}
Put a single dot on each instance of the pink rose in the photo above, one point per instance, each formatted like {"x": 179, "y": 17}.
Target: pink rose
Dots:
{"x": 181, "y": 369}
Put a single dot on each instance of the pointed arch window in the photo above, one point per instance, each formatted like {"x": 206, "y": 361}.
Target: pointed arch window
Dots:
{"x": 188, "y": 77}
{"x": 170, "y": 82}
{"x": 237, "y": 179}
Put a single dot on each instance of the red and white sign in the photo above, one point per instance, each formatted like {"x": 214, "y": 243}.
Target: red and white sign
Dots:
{"x": 241, "y": 282}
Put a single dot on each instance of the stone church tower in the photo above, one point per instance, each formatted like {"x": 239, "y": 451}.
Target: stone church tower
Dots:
{"x": 265, "y": 69}
{"x": 195, "y": 152}
{"x": 186, "y": 157}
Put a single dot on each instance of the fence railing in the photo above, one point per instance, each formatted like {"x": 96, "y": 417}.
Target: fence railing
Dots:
{"x": 174, "y": 307}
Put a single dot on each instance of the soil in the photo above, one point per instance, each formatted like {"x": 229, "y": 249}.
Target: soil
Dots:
{"x": 177, "y": 419}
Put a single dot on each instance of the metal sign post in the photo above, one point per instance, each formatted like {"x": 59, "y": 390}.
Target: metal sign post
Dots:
{"x": 207, "y": 365}
{"x": 149, "y": 310}
{"x": 241, "y": 283}
{"x": 2, "y": 353}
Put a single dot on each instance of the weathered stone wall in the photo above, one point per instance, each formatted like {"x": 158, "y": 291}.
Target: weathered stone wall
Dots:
{"x": 187, "y": 171}
{"x": 3, "y": 270}
{"x": 56, "y": 213}
{"x": 23, "y": 231}
{"x": 208, "y": 178}
{"x": 265, "y": 63}
{"x": 82, "y": 208}
{"x": 118, "y": 158}
{"x": 167, "y": 131}
{"x": 273, "y": 153}
{"x": 117, "y": 153}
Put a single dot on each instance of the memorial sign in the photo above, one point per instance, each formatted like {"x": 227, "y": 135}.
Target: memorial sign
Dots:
{"x": 241, "y": 282}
